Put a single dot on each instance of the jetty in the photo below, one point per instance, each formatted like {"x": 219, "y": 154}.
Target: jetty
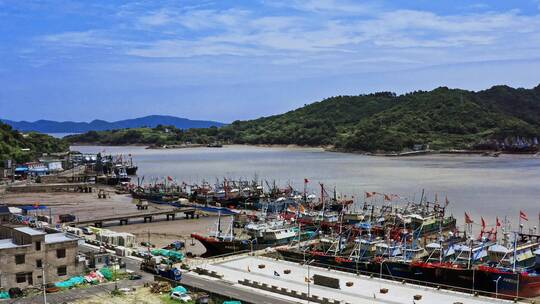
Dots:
{"x": 124, "y": 219}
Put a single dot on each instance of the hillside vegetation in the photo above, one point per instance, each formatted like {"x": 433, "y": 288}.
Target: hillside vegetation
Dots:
{"x": 443, "y": 118}
{"x": 26, "y": 147}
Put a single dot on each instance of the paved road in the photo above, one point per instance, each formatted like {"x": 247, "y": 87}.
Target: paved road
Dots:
{"x": 228, "y": 290}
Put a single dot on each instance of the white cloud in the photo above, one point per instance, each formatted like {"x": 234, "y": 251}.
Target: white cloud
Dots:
{"x": 89, "y": 38}
{"x": 157, "y": 18}
{"x": 316, "y": 34}
{"x": 328, "y": 6}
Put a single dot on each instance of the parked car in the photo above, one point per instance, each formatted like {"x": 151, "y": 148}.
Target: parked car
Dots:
{"x": 182, "y": 297}
{"x": 86, "y": 231}
{"x": 135, "y": 276}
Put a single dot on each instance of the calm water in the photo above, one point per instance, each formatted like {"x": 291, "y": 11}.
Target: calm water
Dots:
{"x": 482, "y": 186}
{"x": 61, "y": 135}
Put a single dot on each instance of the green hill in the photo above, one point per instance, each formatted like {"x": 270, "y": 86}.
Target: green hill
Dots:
{"x": 443, "y": 118}
{"x": 26, "y": 147}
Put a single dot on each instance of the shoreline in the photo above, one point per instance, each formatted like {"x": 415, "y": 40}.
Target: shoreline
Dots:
{"x": 491, "y": 153}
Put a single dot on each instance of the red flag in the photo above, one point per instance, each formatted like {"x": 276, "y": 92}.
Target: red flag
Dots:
{"x": 468, "y": 219}
{"x": 306, "y": 180}
{"x": 483, "y": 223}
{"x": 370, "y": 194}
{"x": 169, "y": 178}
{"x": 387, "y": 197}
{"x": 498, "y": 223}
{"x": 523, "y": 215}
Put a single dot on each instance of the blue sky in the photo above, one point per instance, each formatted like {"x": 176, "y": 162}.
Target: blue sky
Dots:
{"x": 228, "y": 60}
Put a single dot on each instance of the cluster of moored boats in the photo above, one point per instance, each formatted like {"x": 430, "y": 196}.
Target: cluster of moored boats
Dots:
{"x": 410, "y": 241}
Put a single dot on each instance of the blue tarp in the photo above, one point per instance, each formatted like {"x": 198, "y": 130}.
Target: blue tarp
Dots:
{"x": 38, "y": 207}
{"x": 364, "y": 225}
{"x": 74, "y": 281}
{"x": 39, "y": 170}
{"x": 180, "y": 289}
{"x": 222, "y": 210}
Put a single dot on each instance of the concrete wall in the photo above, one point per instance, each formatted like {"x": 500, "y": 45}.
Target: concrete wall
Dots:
{"x": 73, "y": 267}
{"x": 50, "y": 262}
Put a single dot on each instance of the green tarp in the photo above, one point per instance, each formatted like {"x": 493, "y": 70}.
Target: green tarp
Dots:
{"x": 4, "y": 295}
{"x": 173, "y": 255}
{"x": 107, "y": 274}
{"x": 232, "y": 302}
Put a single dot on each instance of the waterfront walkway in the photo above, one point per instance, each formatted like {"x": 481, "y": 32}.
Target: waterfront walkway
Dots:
{"x": 246, "y": 270}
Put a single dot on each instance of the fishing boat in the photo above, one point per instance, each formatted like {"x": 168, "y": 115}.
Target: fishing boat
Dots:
{"x": 255, "y": 236}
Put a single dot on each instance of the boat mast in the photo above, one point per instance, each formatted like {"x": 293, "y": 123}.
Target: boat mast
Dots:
{"x": 219, "y": 224}
{"x": 515, "y": 253}
{"x": 469, "y": 262}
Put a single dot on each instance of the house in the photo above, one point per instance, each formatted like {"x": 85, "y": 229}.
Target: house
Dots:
{"x": 26, "y": 254}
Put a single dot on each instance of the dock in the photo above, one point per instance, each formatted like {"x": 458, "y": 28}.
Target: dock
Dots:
{"x": 124, "y": 219}
{"x": 297, "y": 284}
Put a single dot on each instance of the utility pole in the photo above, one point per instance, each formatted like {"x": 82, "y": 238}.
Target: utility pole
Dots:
{"x": 44, "y": 284}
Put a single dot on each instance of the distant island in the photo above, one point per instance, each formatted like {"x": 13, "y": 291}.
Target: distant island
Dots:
{"x": 499, "y": 118}
{"x": 48, "y": 126}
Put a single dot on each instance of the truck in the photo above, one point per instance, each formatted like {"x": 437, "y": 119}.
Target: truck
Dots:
{"x": 176, "y": 245}
{"x": 154, "y": 265}
{"x": 65, "y": 218}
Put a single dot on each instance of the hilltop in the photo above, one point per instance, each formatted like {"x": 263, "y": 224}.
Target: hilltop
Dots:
{"x": 442, "y": 118}
{"x": 48, "y": 126}
{"x": 26, "y": 147}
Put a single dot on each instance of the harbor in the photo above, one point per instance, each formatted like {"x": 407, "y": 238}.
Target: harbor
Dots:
{"x": 371, "y": 246}
{"x": 270, "y": 152}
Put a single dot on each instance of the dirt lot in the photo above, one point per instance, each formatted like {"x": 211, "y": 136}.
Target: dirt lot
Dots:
{"x": 140, "y": 296}
{"x": 87, "y": 206}
{"x": 163, "y": 233}
{"x": 82, "y": 205}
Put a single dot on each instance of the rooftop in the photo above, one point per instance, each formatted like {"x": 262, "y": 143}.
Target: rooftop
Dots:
{"x": 29, "y": 231}
{"x": 57, "y": 238}
{"x": 7, "y": 243}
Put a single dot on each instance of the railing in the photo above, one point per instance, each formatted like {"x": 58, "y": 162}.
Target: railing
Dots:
{"x": 403, "y": 280}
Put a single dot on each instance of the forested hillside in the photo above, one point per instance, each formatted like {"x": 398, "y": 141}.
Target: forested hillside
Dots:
{"x": 443, "y": 118}
{"x": 25, "y": 147}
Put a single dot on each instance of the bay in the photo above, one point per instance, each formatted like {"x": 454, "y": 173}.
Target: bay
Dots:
{"x": 485, "y": 187}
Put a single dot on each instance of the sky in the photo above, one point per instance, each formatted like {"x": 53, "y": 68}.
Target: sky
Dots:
{"x": 228, "y": 60}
